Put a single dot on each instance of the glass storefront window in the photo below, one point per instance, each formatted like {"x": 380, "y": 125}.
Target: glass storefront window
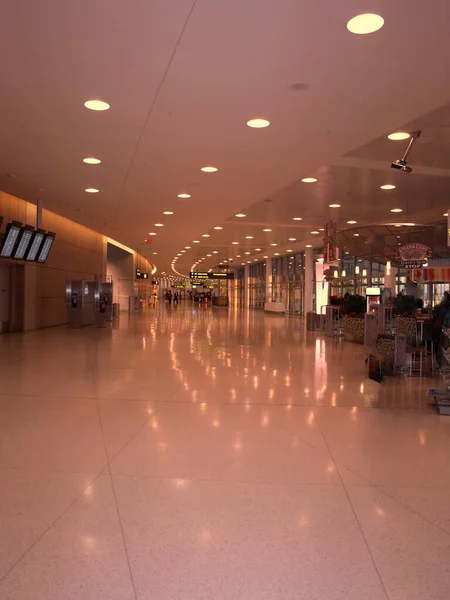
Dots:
{"x": 288, "y": 281}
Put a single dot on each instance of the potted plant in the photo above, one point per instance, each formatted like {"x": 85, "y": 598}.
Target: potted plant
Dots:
{"x": 354, "y": 307}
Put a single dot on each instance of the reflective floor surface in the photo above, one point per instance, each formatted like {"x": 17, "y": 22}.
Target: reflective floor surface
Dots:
{"x": 216, "y": 455}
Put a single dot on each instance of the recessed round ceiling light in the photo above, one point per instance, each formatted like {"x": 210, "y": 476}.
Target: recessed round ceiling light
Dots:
{"x": 387, "y": 186}
{"x": 274, "y": 244}
{"x": 297, "y": 219}
{"x": 334, "y": 205}
{"x": 184, "y": 195}
{"x": 209, "y": 255}
{"x": 356, "y": 234}
{"x": 182, "y": 251}
{"x": 240, "y": 215}
{"x": 399, "y": 135}
{"x": 97, "y": 105}
{"x": 209, "y": 169}
{"x": 90, "y": 160}
{"x": 265, "y": 256}
{"x": 91, "y": 190}
{"x": 187, "y": 247}
{"x": 309, "y": 180}
{"x": 308, "y": 246}
{"x": 276, "y": 254}
{"x": 238, "y": 255}
{"x": 267, "y": 230}
{"x": 258, "y": 123}
{"x": 235, "y": 243}
{"x": 152, "y": 233}
{"x": 167, "y": 212}
{"x": 445, "y": 215}
{"x": 218, "y": 227}
{"x": 315, "y": 232}
{"x": 292, "y": 239}
{"x": 289, "y": 251}
{"x": 196, "y": 241}
{"x": 178, "y": 254}
{"x": 366, "y": 23}
{"x": 257, "y": 249}
{"x": 352, "y": 222}
{"x": 248, "y": 237}
{"x": 396, "y": 210}
{"x": 206, "y": 235}
{"x": 246, "y": 252}
{"x": 215, "y": 252}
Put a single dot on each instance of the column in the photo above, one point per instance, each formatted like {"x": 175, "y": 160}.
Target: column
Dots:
{"x": 247, "y": 286}
{"x": 309, "y": 280}
{"x": 390, "y": 279}
{"x": 268, "y": 284}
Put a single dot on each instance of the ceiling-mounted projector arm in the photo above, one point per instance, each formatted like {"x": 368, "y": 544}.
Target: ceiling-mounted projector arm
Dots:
{"x": 414, "y": 136}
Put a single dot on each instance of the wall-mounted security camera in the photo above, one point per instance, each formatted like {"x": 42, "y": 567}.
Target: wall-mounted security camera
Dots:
{"x": 401, "y": 163}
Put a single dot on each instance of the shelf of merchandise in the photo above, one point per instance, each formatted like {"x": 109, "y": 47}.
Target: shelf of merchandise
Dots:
{"x": 441, "y": 396}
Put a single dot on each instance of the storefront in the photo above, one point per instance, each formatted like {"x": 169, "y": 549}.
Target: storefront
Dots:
{"x": 257, "y": 285}
{"x": 288, "y": 282}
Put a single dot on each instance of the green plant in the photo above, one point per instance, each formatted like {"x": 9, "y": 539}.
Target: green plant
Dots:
{"x": 354, "y": 305}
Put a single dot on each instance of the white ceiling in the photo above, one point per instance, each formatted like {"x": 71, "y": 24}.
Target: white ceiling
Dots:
{"x": 183, "y": 78}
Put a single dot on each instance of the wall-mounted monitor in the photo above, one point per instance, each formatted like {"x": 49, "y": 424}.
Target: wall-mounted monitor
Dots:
{"x": 35, "y": 245}
{"x": 23, "y": 242}
{"x": 45, "y": 248}
{"x": 9, "y": 239}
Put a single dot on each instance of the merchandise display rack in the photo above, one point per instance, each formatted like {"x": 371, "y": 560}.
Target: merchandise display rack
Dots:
{"x": 441, "y": 396}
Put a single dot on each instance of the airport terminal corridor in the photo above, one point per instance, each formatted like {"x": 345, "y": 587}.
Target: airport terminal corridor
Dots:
{"x": 216, "y": 454}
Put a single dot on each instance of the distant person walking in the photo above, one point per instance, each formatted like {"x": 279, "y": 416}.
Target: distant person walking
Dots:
{"x": 169, "y": 297}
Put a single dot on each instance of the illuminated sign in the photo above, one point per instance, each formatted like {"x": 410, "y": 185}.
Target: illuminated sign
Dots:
{"x": 413, "y": 256}
{"x": 9, "y": 239}
{"x": 35, "y": 245}
{"x": 373, "y": 291}
{"x": 24, "y": 241}
{"x": 140, "y": 275}
{"x": 207, "y": 275}
{"x": 45, "y": 248}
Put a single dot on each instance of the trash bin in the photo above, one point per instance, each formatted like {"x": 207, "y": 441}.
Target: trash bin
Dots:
{"x": 311, "y": 321}
{"x": 116, "y": 309}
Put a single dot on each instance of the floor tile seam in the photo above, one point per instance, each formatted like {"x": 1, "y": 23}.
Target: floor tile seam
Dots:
{"x": 119, "y": 519}
{"x": 357, "y": 521}
{"x": 286, "y": 428}
{"x": 414, "y": 511}
{"x": 226, "y": 403}
{"x": 383, "y": 490}
{"x": 52, "y": 524}
{"x": 227, "y": 481}
{"x": 109, "y": 459}
{"x": 55, "y": 471}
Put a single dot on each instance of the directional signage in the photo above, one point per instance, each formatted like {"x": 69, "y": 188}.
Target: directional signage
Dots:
{"x": 207, "y": 275}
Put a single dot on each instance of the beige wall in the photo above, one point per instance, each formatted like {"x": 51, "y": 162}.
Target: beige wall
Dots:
{"x": 77, "y": 253}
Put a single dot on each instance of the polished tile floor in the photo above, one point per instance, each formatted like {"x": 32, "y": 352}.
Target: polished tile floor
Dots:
{"x": 215, "y": 455}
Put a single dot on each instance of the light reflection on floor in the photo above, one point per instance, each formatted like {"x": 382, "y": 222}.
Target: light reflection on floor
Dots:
{"x": 216, "y": 454}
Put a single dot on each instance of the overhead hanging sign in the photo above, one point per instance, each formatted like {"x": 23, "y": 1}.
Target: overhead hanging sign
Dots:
{"x": 207, "y": 275}
{"x": 330, "y": 251}
{"x": 413, "y": 256}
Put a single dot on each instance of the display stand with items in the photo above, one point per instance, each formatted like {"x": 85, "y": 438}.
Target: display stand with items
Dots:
{"x": 441, "y": 396}
{"x": 333, "y": 321}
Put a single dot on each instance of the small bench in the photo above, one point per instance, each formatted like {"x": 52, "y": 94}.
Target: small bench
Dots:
{"x": 275, "y": 307}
